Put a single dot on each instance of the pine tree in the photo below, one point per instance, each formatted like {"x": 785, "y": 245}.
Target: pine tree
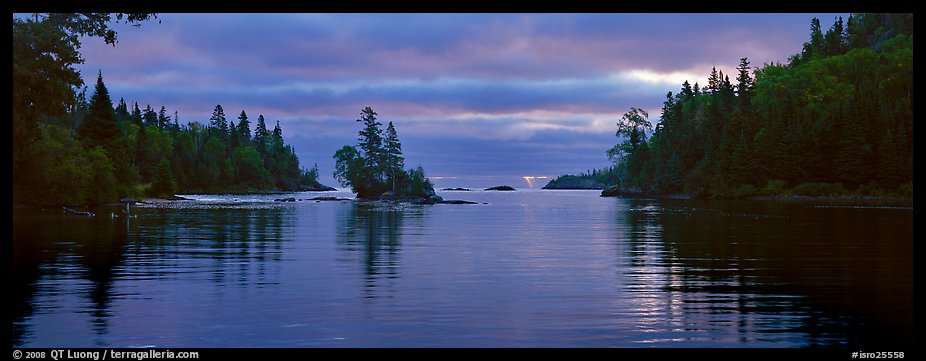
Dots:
{"x": 371, "y": 143}
{"x": 163, "y": 118}
{"x": 122, "y": 111}
{"x": 218, "y": 122}
{"x": 393, "y": 151}
{"x": 713, "y": 81}
{"x": 834, "y": 40}
{"x": 150, "y": 117}
{"x": 260, "y": 135}
{"x": 744, "y": 81}
{"x": 244, "y": 129}
{"x": 163, "y": 184}
{"x": 136, "y": 116}
{"x": 99, "y": 127}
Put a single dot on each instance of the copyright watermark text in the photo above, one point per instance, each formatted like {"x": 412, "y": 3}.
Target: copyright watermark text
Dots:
{"x": 103, "y": 354}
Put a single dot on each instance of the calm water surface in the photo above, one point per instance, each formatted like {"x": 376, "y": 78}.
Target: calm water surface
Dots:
{"x": 528, "y": 269}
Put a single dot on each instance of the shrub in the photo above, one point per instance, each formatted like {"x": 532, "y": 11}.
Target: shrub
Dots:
{"x": 774, "y": 187}
{"x": 745, "y": 190}
{"x": 815, "y": 189}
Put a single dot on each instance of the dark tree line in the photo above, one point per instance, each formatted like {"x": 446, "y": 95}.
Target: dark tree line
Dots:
{"x": 68, "y": 150}
{"x": 837, "y": 119}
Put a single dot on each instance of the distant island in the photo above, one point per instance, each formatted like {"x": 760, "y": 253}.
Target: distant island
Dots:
{"x": 500, "y": 188}
{"x": 594, "y": 179}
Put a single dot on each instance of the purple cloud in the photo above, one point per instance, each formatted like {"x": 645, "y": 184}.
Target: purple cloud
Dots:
{"x": 543, "y": 89}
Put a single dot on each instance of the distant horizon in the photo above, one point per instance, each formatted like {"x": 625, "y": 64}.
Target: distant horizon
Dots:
{"x": 485, "y": 98}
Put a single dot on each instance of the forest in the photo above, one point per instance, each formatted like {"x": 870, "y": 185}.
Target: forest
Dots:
{"x": 837, "y": 119}
{"x": 68, "y": 150}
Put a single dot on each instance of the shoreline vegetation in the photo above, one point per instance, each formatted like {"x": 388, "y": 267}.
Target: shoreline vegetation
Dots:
{"x": 70, "y": 150}
{"x": 834, "y": 123}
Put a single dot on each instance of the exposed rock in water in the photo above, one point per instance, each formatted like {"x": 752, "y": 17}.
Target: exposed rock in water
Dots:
{"x": 615, "y": 191}
{"x": 500, "y": 188}
{"x": 71, "y": 211}
{"x": 412, "y": 198}
{"x": 457, "y": 201}
{"x": 574, "y": 182}
{"x": 317, "y": 199}
{"x": 456, "y": 189}
{"x": 319, "y": 188}
{"x": 290, "y": 199}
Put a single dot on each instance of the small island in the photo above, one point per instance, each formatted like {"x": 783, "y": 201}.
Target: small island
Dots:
{"x": 592, "y": 180}
{"x": 456, "y": 189}
{"x": 500, "y": 188}
{"x": 376, "y": 171}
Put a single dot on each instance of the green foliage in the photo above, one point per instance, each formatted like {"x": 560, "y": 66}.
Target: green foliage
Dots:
{"x": 62, "y": 172}
{"x": 774, "y": 187}
{"x": 375, "y": 168}
{"x": 99, "y": 127}
{"x": 745, "y": 190}
{"x": 250, "y": 168}
{"x": 418, "y": 183}
{"x": 839, "y": 113}
{"x": 819, "y": 189}
{"x": 117, "y": 147}
{"x": 164, "y": 185}
{"x": 45, "y": 50}
{"x": 347, "y": 168}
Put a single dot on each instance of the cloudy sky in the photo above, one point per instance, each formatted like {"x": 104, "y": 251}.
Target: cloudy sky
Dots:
{"x": 477, "y": 99}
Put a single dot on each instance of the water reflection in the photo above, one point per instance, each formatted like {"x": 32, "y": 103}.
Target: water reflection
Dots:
{"x": 79, "y": 265}
{"x": 788, "y": 275}
{"x": 373, "y": 230}
{"x": 60, "y": 247}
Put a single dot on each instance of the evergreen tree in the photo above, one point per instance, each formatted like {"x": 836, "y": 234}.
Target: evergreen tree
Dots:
{"x": 393, "y": 151}
{"x": 136, "y": 116}
{"x": 163, "y": 118}
{"x": 834, "y": 40}
{"x": 99, "y": 127}
{"x": 244, "y": 129}
{"x": 150, "y": 117}
{"x": 744, "y": 81}
{"x": 371, "y": 144}
{"x": 164, "y": 184}
{"x": 122, "y": 111}
{"x": 260, "y": 135}
{"x": 218, "y": 122}
{"x": 232, "y": 135}
{"x": 713, "y": 81}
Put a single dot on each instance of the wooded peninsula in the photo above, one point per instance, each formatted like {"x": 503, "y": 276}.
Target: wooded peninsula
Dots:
{"x": 836, "y": 120}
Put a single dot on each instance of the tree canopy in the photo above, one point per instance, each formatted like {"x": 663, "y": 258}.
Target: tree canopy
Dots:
{"x": 837, "y": 119}
{"x": 70, "y": 151}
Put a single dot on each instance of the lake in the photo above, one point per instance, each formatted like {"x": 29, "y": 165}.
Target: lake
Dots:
{"x": 529, "y": 268}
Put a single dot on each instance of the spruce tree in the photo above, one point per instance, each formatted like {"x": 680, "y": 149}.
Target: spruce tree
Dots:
{"x": 393, "y": 151}
{"x": 244, "y": 129}
{"x": 371, "y": 143}
{"x": 99, "y": 127}
{"x": 218, "y": 122}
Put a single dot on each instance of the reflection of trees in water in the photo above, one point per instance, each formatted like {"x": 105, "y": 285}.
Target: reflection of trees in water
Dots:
{"x": 159, "y": 244}
{"x": 48, "y": 245}
{"x": 231, "y": 244}
{"x": 375, "y": 229}
{"x": 732, "y": 268}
